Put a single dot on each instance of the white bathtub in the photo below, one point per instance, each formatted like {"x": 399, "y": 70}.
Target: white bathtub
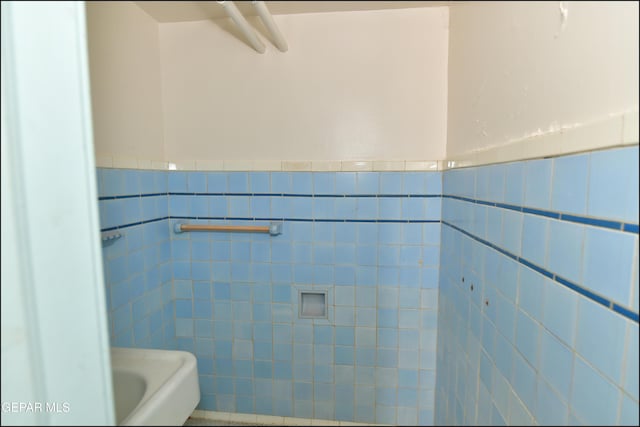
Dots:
{"x": 154, "y": 387}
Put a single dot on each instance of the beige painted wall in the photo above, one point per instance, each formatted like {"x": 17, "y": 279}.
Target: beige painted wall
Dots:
{"x": 124, "y": 61}
{"x": 353, "y": 86}
{"x": 521, "y": 68}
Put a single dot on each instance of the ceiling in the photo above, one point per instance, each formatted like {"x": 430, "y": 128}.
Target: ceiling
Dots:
{"x": 179, "y": 11}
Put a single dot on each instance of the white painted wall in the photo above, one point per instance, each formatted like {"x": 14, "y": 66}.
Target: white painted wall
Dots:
{"x": 518, "y": 68}
{"x": 353, "y": 86}
{"x": 124, "y": 59}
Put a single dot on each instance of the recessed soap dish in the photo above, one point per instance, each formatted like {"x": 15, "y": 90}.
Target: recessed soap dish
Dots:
{"x": 313, "y": 305}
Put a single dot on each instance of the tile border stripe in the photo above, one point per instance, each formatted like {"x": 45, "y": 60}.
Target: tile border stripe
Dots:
{"x": 253, "y": 219}
{"x": 596, "y": 222}
{"x": 623, "y": 311}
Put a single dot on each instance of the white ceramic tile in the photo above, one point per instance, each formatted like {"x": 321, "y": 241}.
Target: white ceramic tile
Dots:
{"x": 125, "y": 162}
{"x": 392, "y": 165}
{"x": 267, "y": 165}
{"x": 290, "y": 166}
{"x": 356, "y": 166}
{"x": 184, "y": 165}
{"x": 104, "y": 161}
{"x": 424, "y": 165}
{"x": 144, "y": 164}
{"x": 630, "y": 128}
{"x": 237, "y": 165}
{"x": 209, "y": 165}
{"x": 326, "y": 166}
{"x": 602, "y": 134}
{"x": 160, "y": 165}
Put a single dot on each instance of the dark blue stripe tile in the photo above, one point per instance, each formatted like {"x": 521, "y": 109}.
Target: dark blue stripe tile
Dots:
{"x": 536, "y": 268}
{"x": 482, "y": 202}
{"x": 583, "y": 291}
{"x": 626, "y": 312}
{"x": 394, "y": 195}
{"x": 631, "y": 228}
{"x": 548, "y": 214}
{"x": 296, "y": 195}
{"x": 510, "y": 207}
{"x": 592, "y": 221}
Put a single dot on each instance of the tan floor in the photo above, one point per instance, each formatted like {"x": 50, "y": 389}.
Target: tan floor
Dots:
{"x": 204, "y": 422}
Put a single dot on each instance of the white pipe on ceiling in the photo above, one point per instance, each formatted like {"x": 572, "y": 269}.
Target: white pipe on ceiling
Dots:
{"x": 268, "y": 21}
{"x": 241, "y": 22}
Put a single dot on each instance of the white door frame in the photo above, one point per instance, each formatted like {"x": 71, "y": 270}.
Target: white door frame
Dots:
{"x": 55, "y": 347}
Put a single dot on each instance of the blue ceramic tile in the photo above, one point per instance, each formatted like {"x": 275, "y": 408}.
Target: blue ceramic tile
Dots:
{"x": 524, "y": 381}
{"x": 324, "y": 183}
{"x": 608, "y": 265}
{"x": 345, "y": 182}
{"x": 534, "y": 239}
{"x": 613, "y": 184}
{"x": 239, "y": 206}
{"x": 527, "y": 337}
{"x": 569, "y": 185}
{"x": 367, "y": 208}
{"x": 630, "y": 376}
{"x": 132, "y": 182}
{"x": 238, "y": 182}
{"x": 196, "y": 182}
{"x": 496, "y": 183}
{"x": 259, "y": 182}
{"x": 593, "y": 398}
{"x": 565, "y": 249}
{"x": 177, "y": 182}
{"x": 367, "y": 182}
{"x": 413, "y": 208}
{"x": 482, "y": 182}
{"x": 600, "y": 338}
{"x": 514, "y": 183}
{"x": 390, "y": 183}
{"x": 280, "y": 182}
{"x": 301, "y": 183}
{"x": 433, "y": 182}
{"x": 389, "y": 208}
{"x": 112, "y": 182}
{"x": 531, "y": 288}
{"x": 538, "y": 183}
{"x": 433, "y": 210}
{"x": 512, "y": 231}
{"x": 560, "y": 311}
{"x": 556, "y": 362}
{"x": 414, "y": 183}
{"x": 629, "y": 413}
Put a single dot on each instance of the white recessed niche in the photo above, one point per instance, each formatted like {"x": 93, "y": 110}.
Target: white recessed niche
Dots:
{"x": 313, "y": 304}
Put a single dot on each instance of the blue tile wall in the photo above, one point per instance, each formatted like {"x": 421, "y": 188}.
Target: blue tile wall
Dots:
{"x": 538, "y": 308}
{"x": 137, "y": 266}
{"x": 370, "y": 240}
